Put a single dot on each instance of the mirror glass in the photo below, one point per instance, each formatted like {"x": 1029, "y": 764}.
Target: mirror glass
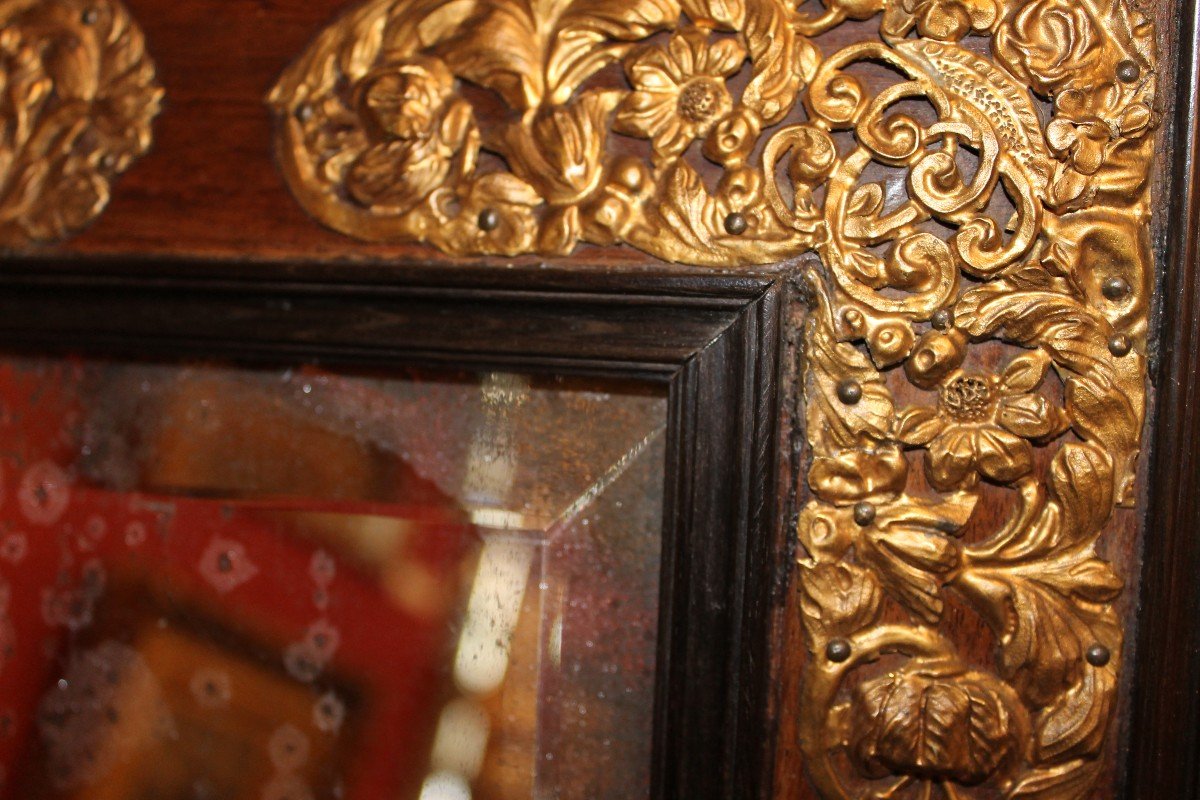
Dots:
{"x": 222, "y": 582}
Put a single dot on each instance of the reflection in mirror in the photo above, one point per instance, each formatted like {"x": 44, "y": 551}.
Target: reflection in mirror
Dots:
{"x": 225, "y": 583}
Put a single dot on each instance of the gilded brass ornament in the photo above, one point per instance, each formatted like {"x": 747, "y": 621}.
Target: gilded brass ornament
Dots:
{"x": 973, "y": 176}
{"x": 79, "y": 96}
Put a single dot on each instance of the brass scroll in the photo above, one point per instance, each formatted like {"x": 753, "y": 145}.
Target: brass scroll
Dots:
{"x": 973, "y": 175}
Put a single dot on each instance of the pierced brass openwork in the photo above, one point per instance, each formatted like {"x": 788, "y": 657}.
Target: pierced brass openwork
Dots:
{"x": 973, "y": 177}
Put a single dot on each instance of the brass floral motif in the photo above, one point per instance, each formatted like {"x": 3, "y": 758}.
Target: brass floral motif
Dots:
{"x": 79, "y": 94}
{"x": 974, "y": 181}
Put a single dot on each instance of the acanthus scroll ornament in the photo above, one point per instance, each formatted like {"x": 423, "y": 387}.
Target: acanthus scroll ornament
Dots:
{"x": 79, "y": 95}
{"x": 974, "y": 179}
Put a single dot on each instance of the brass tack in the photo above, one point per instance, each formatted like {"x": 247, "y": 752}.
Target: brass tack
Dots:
{"x": 1115, "y": 288}
{"x": 489, "y": 219}
{"x": 1119, "y": 345}
{"x": 942, "y": 319}
{"x": 1097, "y": 655}
{"x": 736, "y": 224}
{"x": 90, "y": 16}
{"x": 849, "y": 391}
{"x": 1128, "y": 71}
{"x": 837, "y": 651}
{"x": 864, "y": 513}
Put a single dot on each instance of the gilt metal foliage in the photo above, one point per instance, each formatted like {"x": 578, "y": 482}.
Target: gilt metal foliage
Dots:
{"x": 972, "y": 176}
{"x": 77, "y": 96}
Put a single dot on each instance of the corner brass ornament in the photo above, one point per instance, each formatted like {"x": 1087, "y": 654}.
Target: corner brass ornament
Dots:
{"x": 974, "y": 181}
{"x": 78, "y": 96}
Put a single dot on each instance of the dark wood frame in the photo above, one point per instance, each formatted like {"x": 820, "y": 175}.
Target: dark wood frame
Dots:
{"x": 716, "y": 341}
{"x": 1164, "y": 759}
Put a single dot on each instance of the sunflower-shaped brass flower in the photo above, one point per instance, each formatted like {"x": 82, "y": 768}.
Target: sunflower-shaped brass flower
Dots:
{"x": 679, "y": 90}
{"x": 983, "y": 425}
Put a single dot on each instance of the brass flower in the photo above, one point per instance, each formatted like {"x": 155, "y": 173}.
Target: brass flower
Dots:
{"x": 416, "y": 127}
{"x": 946, "y": 20}
{"x": 77, "y": 103}
{"x": 406, "y": 100}
{"x": 983, "y": 425}
{"x": 1087, "y": 123}
{"x": 679, "y": 89}
{"x": 1083, "y": 142}
{"x": 934, "y": 720}
{"x": 1048, "y": 44}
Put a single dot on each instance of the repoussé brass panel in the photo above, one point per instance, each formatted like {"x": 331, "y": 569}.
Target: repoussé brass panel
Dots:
{"x": 988, "y": 194}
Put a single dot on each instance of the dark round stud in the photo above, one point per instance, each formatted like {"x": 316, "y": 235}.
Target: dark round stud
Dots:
{"x": 1128, "y": 71}
{"x": 304, "y": 113}
{"x": 864, "y": 513}
{"x": 1115, "y": 288}
{"x": 736, "y": 224}
{"x": 1119, "y": 345}
{"x": 224, "y": 562}
{"x": 849, "y": 392}
{"x": 837, "y": 651}
{"x": 90, "y": 16}
{"x": 489, "y": 219}
{"x": 1097, "y": 655}
{"x": 942, "y": 319}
